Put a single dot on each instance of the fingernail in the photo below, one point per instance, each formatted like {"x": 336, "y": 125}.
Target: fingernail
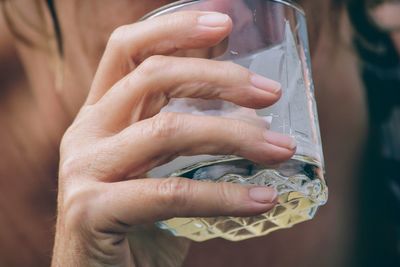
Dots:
{"x": 213, "y": 20}
{"x": 263, "y": 194}
{"x": 265, "y": 84}
{"x": 280, "y": 140}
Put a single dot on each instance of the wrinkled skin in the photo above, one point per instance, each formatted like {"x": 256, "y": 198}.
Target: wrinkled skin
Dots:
{"x": 84, "y": 46}
{"x": 120, "y": 134}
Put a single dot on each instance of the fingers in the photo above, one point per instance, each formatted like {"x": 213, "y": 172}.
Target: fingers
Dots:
{"x": 141, "y": 201}
{"x": 144, "y": 92}
{"x": 129, "y": 45}
{"x": 158, "y": 140}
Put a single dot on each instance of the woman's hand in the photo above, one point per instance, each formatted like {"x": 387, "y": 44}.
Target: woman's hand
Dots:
{"x": 120, "y": 134}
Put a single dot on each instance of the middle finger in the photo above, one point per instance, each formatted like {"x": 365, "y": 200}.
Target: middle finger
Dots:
{"x": 144, "y": 92}
{"x": 129, "y": 45}
{"x": 160, "y": 139}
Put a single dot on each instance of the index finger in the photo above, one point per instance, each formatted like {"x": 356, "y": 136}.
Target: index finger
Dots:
{"x": 129, "y": 45}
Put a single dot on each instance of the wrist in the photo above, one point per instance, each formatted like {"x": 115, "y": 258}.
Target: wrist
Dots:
{"x": 70, "y": 248}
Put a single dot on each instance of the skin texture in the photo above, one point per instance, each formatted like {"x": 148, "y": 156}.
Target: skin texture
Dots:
{"x": 55, "y": 107}
{"x": 119, "y": 135}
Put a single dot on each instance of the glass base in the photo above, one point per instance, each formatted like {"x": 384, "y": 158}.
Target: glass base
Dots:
{"x": 301, "y": 188}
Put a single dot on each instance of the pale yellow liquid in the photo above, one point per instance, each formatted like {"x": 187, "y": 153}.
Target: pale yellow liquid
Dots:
{"x": 300, "y": 195}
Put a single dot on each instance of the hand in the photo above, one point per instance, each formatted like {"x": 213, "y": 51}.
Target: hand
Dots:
{"x": 120, "y": 134}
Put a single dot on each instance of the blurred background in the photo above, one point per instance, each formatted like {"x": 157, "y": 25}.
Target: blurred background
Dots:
{"x": 357, "y": 74}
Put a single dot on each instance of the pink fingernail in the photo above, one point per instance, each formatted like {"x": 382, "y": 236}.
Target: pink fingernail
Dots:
{"x": 213, "y": 20}
{"x": 263, "y": 194}
{"x": 265, "y": 84}
{"x": 280, "y": 140}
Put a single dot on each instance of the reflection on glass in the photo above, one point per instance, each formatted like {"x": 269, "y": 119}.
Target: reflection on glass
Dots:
{"x": 269, "y": 37}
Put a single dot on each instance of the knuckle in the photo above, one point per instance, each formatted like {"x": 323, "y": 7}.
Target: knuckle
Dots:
{"x": 118, "y": 36}
{"x": 84, "y": 210}
{"x": 153, "y": 64}
{"x": 77, "y": 206}
{"x": 225, "y": 196}
{"x": 84, "y": 164}
{"x": 166, "y": 124}
{"x": 89, "y": 159}
{"x": 66, "y": 141}
{"x": 231, "y": 69}
{"x": 69, "y": 167}
{"x": 97, "y": 163}
{"x": 229, "y": 66}
{"x": 234, "y": 71}
{"x": 177, "y": 19}
{"x": 239, "y": 129}
{"x": 174, "y": 192}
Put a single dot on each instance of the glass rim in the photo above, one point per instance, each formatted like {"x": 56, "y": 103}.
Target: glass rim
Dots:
{"x": 181, "y": 3}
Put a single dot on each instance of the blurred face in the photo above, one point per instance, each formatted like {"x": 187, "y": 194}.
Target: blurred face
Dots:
{"x": 387, "y": 17}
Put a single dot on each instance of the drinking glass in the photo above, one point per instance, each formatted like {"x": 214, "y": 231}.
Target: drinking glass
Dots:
{"x": 269, "y": 37}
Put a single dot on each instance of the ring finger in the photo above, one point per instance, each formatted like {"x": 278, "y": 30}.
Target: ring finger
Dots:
{"x": 162, "y": 138}
{"x": 145, "y": 91}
